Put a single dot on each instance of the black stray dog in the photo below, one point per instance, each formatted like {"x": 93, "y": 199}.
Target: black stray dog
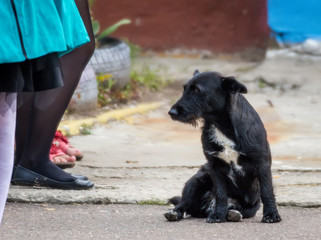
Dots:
{"x": 238, "y": 172}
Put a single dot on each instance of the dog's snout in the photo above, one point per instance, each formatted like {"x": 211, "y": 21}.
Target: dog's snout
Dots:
{"x": 173, "y": 112}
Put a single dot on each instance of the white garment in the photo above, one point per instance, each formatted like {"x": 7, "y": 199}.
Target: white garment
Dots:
{"x": 8, "y": 103}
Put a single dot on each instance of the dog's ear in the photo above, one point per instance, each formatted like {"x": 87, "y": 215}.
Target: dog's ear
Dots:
{"x": 196, "y": 72}
{"x": 231, "y": 85}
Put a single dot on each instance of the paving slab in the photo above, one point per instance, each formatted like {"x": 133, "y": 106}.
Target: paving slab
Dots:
{"x": 148, "y": 157}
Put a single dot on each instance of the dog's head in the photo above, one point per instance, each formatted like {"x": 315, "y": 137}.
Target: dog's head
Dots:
{"x": 205, "y": 93}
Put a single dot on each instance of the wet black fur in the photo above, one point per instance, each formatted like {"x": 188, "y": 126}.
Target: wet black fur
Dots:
{"x": 218, "y": 101}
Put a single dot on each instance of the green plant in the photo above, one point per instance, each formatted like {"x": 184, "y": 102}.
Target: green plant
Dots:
{"x": 105, "y": 83}
{"x": 264, "y": 83}
{"x": 85, "y": 129}
{"x": 148, "y": 78}
{"x": 140, "y": 80}
{"x": 109, "y": 30}
{"x": 153, "y": 202}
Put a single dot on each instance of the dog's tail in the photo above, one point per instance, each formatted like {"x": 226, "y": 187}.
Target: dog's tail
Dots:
{"x": 175, "y": 200}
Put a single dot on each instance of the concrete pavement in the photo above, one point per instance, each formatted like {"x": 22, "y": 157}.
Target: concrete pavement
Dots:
{"x": 147, "y": 157}
{"x": 140, "y": 222}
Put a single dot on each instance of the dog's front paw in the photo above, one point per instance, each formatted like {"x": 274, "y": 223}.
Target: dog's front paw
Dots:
{"x": 272, "y": 217}
{"x": 172, "y": 216}
{"x": 215, "y": 218}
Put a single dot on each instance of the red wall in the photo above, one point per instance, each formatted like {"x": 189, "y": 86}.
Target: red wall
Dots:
{"x": 221, "y": 26}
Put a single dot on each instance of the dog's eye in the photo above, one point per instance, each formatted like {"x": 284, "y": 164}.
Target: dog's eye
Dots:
{"x": 195, "y": 89}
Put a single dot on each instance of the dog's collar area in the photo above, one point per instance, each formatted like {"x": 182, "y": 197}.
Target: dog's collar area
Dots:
{"x": 220, "y": 138}
{"x": 228, "y": 153}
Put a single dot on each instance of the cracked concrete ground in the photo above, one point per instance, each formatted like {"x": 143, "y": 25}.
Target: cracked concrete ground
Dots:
{"x": 149, "y": 157}
{"x": 137, "y": 222}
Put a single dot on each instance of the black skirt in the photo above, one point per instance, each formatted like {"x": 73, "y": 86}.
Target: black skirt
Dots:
{"x": 32, "y": 75}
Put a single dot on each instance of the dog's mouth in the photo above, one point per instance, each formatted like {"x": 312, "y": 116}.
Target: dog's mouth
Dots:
{"x": 189, "y": 118}
{"x": 194, "y": 121}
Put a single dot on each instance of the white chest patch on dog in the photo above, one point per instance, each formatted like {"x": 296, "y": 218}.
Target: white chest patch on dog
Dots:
{"x": 228, "y": 154}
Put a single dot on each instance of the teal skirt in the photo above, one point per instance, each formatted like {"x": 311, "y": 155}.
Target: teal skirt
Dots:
{"x": 34, "y": 34}
{"x": 31, "y": 28}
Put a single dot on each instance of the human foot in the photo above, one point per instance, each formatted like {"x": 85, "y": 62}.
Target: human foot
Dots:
{"x": 63, "y": 143}
{"x": 51, "y": 170}
{"x": 59, "y": 158}
{"x": 70, "y": 150}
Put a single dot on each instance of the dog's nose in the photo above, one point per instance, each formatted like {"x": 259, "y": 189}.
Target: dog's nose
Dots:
{"x": 173, "y": 112}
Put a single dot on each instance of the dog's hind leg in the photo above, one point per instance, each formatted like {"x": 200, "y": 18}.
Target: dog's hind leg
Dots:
{"x": 178, "y": 212}
{"x": 192, "y": 201}
{"x": 234, "y": 216}
{"x": 234, "y": 211}
{"x": 175, "y": 214}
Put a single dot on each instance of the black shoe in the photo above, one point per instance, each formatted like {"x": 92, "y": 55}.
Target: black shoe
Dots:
{"x": 80, "y": 177}
{"x": 23, "y": 176}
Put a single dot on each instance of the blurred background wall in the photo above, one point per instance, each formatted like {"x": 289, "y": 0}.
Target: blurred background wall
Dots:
{"x": 220, "y": 26}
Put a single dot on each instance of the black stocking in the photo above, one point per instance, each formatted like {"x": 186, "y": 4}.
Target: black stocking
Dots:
{"x": 41, "y": 112}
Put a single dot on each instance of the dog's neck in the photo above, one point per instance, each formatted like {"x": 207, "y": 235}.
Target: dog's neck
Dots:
{"x": 222, "y": 121}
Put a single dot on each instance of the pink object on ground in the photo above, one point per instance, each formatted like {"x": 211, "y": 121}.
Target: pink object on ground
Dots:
{"x": 69, "y": 150}
{"x": 63, "y": 144}
{"x": 56, "y": 153}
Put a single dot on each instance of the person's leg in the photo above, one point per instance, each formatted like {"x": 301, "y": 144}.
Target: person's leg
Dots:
{"x": 23, "y": 122}
{"x": 47, "y": 109}
{"x": 7, "y": 128}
